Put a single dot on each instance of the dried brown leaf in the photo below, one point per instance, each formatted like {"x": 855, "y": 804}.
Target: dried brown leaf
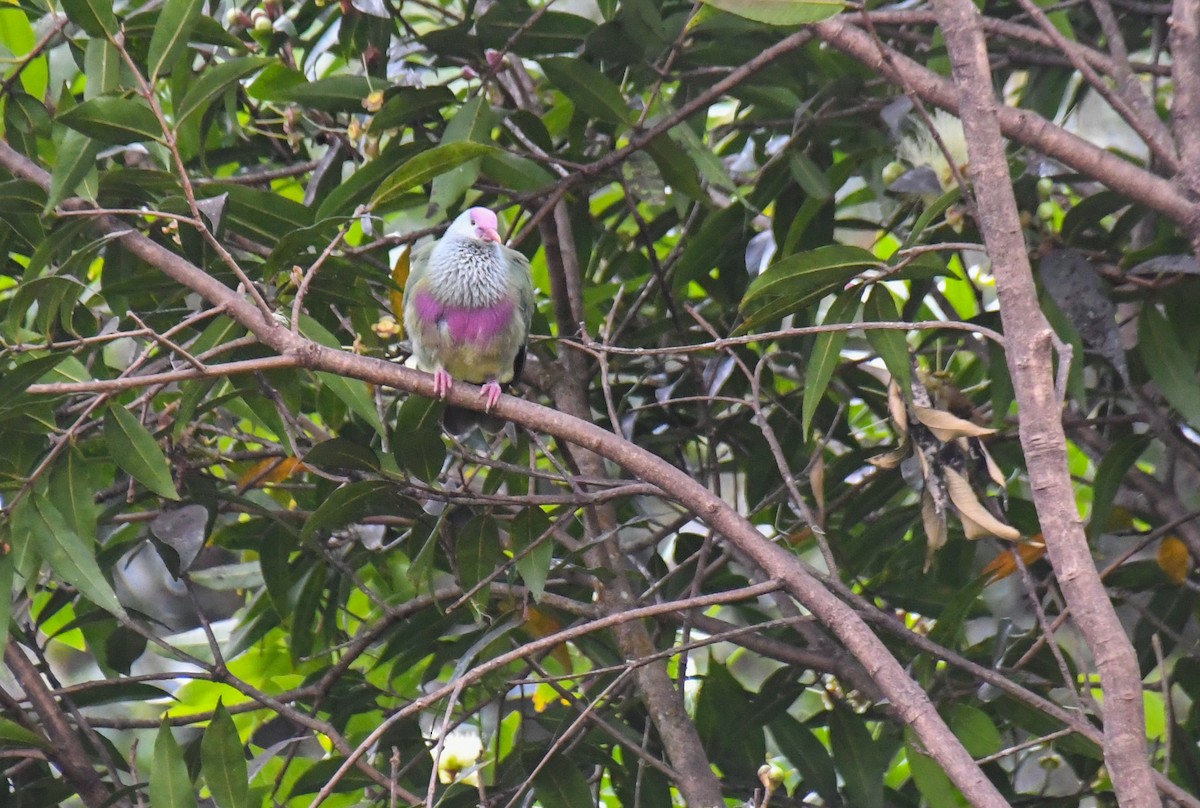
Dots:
{"x": 977, "y": 520}
{"x": 946, "y": 427}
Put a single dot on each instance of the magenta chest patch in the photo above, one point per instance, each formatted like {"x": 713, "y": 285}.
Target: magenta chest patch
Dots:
{"x": 465, "y": 325}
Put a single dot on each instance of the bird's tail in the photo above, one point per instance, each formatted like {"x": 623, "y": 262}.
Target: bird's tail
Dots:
{"x": 459, "y": 421}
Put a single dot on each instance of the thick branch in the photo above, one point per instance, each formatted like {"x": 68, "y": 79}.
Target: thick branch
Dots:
{"x": 1041, "y": 430}
{"x": 1185, "y": 109}
{"x": 698, "y": 785}
{"x": 65, "y": 748}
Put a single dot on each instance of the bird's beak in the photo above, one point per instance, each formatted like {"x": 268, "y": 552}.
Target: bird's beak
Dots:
{"x": 487, "y": 234}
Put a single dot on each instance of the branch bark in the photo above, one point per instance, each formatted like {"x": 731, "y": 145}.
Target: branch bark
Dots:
{"x": 65, "y": 748}
{"x": 698, "y": 785}
{"x": 1028, "y": 338}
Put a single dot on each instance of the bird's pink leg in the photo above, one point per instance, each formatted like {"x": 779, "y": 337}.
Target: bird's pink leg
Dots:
{"x": 441, "y": 382}
{"x": 492, "y": 391}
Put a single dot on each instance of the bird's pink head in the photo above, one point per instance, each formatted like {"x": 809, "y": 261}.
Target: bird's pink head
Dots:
{"x": 479, "y": 223}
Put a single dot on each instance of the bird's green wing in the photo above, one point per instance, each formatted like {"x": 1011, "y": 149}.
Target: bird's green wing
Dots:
{"x": 418, "y": 266}
{"x": 521, "y": 283}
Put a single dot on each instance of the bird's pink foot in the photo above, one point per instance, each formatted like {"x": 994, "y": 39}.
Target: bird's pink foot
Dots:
{"x": 492, "y": 391}
{"x": 441, "y": 382}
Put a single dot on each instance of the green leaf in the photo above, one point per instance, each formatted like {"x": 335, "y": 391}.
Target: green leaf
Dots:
{"x": 780, "y": 12}
{"x": 355, "y": 394}
{"x": 858, "y": 758}
{"x": 103, "y": 64}
{"x": 931, "y": 780}
{"x": 810, "y": 757}
{"x": 588, "y": 89}
{"x": 224, "y": 761}
{"x": 826, "y": 353}
{"x": 76, "y": 157}
{"x": 477, "y": 553}
{"x": 72, "y": 492}
{"x": 800, "y": 280}
{"x": 891, "y": 345}
{"x": 342, "y": 453}
{"x": 531, "y": 525}
{"x": 348, "y": 504}
{"x": 12, "y": 732}
{"x": 417, "y": 441}
{"x": 472, "y": 122}
{"x": 675, "y": 165}
{"x": 334, "y": 94}
{"x": 1110, "y": 474}
{"x": 95, "y": 17}
{"x": 72, "y": 558}
{"x": 170, "y": 786}
{"x": 171, "y": 32}
{"x": 134, "y": 449}
{"x": 6, "y": 588}
{"x": 550, "y": 32}
{"x": 20, "y": 196}
{"x": 17, "y": 378}
{"x": 425, "y": 166}
{"x": 213, "y": 82}
{"x": 976, "y": 730}
{"x": 562, "y": 785}
{"x": 113, "y": 119}
{"x": 1171, "y": 368}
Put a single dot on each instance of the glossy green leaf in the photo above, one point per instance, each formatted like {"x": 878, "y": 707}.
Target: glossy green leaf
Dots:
{"x": 472, "y": 122}
{"x": 1110, "y": 476}
{"x": 21, "y": 196}
{"x": 170, "y": 786}
{"x": 341, "y": 453}
{"x": 76, "y": 157}
{"x": 95, "y": 17}
{"x": 355, "y": 394}
{"x": 477, "y": 555}
{"x": 113, "y": 119}
{"x": 891, "y": 345}
{"x": 71, "y": 557}
{"x": 799, "y": 281}
{"x": 590, "y": 90}
{"x": 333, "y": 94}
{"x": 780, "y": 12}
{"x": 224, "y": 761}
{"x": 73, "y": 493}
{"x": 562, "y": 785}
{"x": 810, "y": 757}
{"x": 104, "y": 67}
{"x": 348, "y": 504}
{"x": 12, "y": 732}
{"x": 825, "y": 355}
{"x": 531, "y": 525}
{"x": 20, "y": 376}
{"x": 6, "y": 588}
{"x": 858, "y": 758}
{"x": 425, "y": 166}
{"x": 1170, "y": 367}
{"x": 135, "y": 450}
{"x": 933, "y": 783}
{"x": 212, "y": 83}
{"x": 976, "y": 730}
{"x": 171, "y": 32}
{"x": 551, "y": 32}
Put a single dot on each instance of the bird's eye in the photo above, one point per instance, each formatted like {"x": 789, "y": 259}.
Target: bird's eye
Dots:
{"x": 472, "y": 220}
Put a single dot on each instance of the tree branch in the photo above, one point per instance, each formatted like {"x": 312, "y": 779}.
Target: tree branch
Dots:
{"x": 65, "y": 748}
{"x": 1041, "y": 430}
